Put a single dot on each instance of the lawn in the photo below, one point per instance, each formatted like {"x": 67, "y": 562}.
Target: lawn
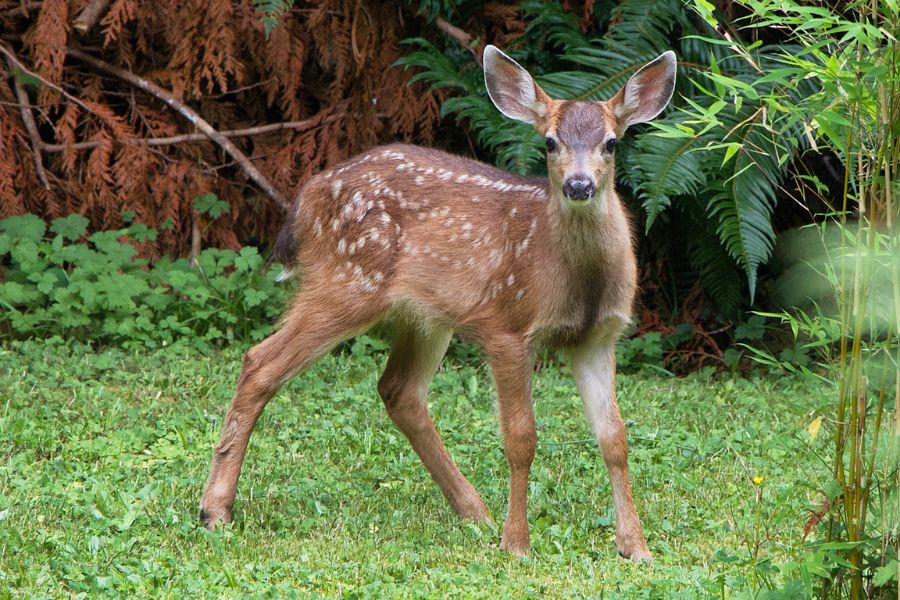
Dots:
{"x": 104, "y": 456}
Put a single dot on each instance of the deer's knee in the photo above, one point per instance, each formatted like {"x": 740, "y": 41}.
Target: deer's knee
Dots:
{"x": 613, "y": 444}
{"x": 403, "y": 401}
{"x": 254, "y": 378}
{"x": 520, "y": 442}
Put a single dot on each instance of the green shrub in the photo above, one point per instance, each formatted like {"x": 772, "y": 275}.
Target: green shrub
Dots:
{"x": 62, "y": 283}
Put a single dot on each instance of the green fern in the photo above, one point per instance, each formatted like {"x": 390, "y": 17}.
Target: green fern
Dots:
{"x": 272, "y": 10}
{"x": 725, "y": 161}
{"x": 665, "y": 168}
{"x": 717, "y": 271}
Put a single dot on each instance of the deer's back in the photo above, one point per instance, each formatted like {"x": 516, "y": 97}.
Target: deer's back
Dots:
{"x": 448, "y": 237}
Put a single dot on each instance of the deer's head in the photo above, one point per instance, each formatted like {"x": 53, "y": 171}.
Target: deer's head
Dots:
{"x": 581, "y": 136}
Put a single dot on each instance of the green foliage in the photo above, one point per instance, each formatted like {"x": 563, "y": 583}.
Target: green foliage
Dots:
{"x": 271, "y": 12}
{"x": 106, "y": 453}
{"x": 838, "y": 84}
{"x": 714, "y": 148}
{"x": 210, "y": 204}
{"x": 61, "y": 282}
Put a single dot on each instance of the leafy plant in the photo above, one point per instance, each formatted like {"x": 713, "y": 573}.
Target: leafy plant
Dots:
{"x": 847, "y": 295}
{"x": 105, "y": 456}
{"x": 65, "y": 284}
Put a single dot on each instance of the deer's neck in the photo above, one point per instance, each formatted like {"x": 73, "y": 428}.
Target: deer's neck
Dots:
{"x": 587, "y": 237}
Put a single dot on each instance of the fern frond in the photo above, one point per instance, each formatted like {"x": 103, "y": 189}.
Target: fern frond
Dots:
{"x": 744, "y": 202}
{"x": 718, "y": 273}
{"x": 664, "y": 168}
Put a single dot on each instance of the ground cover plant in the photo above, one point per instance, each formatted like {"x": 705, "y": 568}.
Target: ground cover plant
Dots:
{"x": 105, "y": 456}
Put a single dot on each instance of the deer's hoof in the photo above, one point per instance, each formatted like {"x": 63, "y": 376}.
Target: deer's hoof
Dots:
{"x": 473, "y": 509}
{"x": 212, "y": 518}
{"x": 634, "y": 550}
{"x": 517, "y": 544}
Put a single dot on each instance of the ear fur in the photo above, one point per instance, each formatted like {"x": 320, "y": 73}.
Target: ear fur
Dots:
{"x": 648, "y": 91}
{"x": 512, "y": 89}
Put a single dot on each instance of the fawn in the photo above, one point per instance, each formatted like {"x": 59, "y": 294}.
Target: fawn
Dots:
{"x": 440, "y": 243}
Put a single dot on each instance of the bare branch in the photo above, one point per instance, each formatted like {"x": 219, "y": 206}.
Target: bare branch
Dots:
{"x": 11, "y": 57}
{"x": 202, "y": 137}
{"x": 24, "y": 8}
{"x": 192, "y": 116}
{"x": 90, "y": 15}
{"x": 464, "y": 39}
{"x": 30, "y": 126}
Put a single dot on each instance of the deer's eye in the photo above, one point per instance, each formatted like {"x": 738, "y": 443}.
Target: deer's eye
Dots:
{"x": 551, "y": 144}
{"x": 611, "y": 144}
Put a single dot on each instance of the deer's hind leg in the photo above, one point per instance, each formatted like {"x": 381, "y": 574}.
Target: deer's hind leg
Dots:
{"x": 414, "y": 358}
{"x": 313, "y": 326}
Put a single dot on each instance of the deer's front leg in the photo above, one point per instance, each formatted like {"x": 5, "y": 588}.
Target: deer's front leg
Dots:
{"x": 511, "y": 364}
{"x": 594, "y": 368}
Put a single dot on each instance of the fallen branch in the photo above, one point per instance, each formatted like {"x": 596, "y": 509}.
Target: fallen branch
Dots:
{"x": 464, "y": 39}
{"x": 30, "y": 126}
{"x": 192, "y": 116}
{"x": 202, "y": 137}
{"x": 10, "y": 56}
{"x": 24, "y": 8}
{"x": 90, "y": 15}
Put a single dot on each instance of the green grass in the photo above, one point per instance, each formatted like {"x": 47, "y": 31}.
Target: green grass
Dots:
{"x": 103, "y": 458}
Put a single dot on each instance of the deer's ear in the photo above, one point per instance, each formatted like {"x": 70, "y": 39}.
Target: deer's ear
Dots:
{"x": 648, "y": 91}
{"x": 512, "y": 89}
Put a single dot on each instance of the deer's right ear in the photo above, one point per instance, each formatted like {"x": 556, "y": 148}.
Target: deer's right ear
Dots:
{"x": 512, "y": 89}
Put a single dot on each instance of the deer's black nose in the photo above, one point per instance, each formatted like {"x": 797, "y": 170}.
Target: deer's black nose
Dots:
{"x": 578, "y": 188}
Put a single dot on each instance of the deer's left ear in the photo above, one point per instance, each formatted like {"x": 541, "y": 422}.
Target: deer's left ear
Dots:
{"x": 648, "y": 91}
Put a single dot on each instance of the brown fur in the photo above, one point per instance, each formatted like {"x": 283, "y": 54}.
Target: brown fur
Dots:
{"x": 443, "y": 243}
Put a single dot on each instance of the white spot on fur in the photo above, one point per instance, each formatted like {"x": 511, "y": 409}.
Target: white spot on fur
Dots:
{"x": 523, "y": 246}
{"x": 519, "y": 295}
{"x": 336, "y": 188}
{"x": 391, "y": 154}
{"x": 341, "y": 246}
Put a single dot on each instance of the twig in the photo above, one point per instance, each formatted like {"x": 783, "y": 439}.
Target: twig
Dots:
{"x": 90, "y": 15}
{"x": 202, "y": 137}
{"x": 464, "y": 39}
{"x": 11, "y": 56}
{"x": 195, "y": 240}
{"x": 191, "y": 116}
{"x": 23, "y": 8}
{"x": 30, "y": 126}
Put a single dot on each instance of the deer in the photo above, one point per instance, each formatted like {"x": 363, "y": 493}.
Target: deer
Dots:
{"x": 437, "y": 244}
